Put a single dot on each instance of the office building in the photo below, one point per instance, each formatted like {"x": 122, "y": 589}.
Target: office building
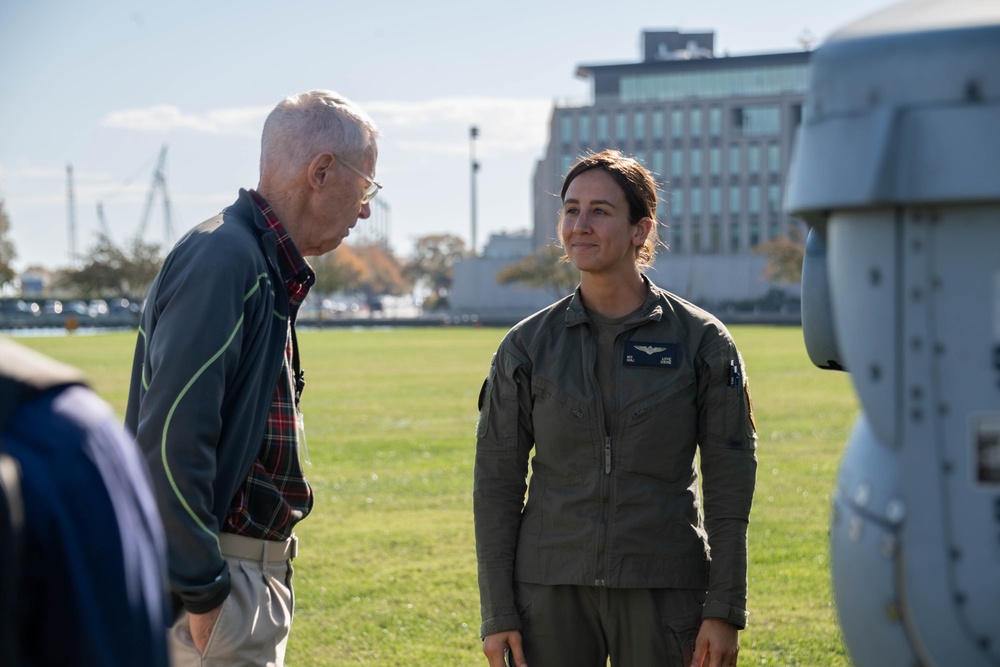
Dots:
{"x": 716, "y": 130}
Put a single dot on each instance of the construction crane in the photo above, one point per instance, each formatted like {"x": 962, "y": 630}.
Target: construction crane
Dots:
{"x": 159, "y": 184}
{"x": 105, "y": 230}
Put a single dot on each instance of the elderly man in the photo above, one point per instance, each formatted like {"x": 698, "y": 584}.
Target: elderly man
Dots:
{"x": 216, "y": 381}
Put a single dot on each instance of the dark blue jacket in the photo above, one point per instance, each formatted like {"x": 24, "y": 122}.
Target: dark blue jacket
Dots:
{"x": 92, "y": 583}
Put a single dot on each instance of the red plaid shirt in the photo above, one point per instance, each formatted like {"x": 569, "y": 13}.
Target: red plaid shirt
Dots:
{"x": 276, "y": 495}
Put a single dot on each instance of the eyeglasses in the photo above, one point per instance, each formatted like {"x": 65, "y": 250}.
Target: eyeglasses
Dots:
{"x": 373, "y": 187}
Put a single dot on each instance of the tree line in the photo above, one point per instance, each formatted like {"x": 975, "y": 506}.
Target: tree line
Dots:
{"x": 126, "y": 271}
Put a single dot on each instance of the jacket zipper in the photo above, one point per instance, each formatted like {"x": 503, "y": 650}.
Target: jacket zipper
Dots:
{"x": 605, "y": 503}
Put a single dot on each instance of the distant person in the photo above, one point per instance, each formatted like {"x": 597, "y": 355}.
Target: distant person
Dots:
{"x": 216, "y": 381}
{"x": 82, "y": 552}
{"x": 617, "y": 388}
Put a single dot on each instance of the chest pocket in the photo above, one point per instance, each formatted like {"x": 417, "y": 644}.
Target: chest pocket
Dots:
{"x": 660, "y": 430}
{"x": 564, "y": 427}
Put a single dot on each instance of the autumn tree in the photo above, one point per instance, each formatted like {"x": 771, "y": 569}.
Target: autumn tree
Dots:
{"x": 380, "y": 271}
{"x": 547, "y": 269}
{"x": 125, "y": 272}
{"x": 366, "y": 268}
{"x": 784, "y": 257}
{"x": 335, "y": 270}
{"x": 7, "y": 253}
{"x": 433, "y": 262}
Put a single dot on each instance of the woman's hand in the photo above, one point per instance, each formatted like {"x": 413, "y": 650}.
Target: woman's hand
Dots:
{"x": 717, "y": 645}
{"x": 496, "y": 645}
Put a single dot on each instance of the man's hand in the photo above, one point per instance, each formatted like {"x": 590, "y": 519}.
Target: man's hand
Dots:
{"x": 717, "y": 644}
{"x": 202, "y": 626}
{"x": 495, "y": 645}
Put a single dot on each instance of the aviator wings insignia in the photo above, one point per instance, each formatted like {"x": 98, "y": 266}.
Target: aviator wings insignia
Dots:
{"x": 650, "y": 349}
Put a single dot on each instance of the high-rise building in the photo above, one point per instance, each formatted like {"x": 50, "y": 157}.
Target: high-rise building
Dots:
{"x": 717, "y": 131}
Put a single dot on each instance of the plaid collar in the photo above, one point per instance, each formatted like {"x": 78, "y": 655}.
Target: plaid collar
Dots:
{"x": 295, "y": 271}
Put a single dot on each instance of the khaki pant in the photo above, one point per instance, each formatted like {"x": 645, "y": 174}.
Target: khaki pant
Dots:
{"x": 584, "y": 626}
{"x": 253, "y": 625}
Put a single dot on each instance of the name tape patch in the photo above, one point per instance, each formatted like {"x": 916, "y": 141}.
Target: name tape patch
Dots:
{"x": 652, "y": 355}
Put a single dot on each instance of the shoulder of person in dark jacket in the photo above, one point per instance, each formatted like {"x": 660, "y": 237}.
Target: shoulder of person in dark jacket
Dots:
{"x": 91, "y": 569}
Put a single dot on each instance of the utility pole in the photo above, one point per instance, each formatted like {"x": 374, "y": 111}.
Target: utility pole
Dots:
{"x": 71, "y": 215}
{"x": 474, "y": 166}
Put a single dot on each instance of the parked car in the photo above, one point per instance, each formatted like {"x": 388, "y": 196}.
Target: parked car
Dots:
{"x": 17, "y": 307}
{"x": 52, "y": 307}
{"x": 97, "y": 307}
{"x": 76, "y": 308}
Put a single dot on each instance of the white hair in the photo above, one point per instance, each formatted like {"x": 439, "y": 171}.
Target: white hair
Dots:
{"x": 305, "y": 125}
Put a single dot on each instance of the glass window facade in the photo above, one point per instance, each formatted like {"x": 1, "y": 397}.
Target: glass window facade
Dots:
{"x": 757, "y": 121}
{"x": 658, "y": 164}
{"x": 714, "y": 121}
{"x": 677, "y": 204}
{"x": 657, "y": 123}
{"x": 676, "y": 163}
{"x": 639, "y": 125}
{"x": 677, "y": 123}
{"x": 621, "y": 129}
{"x": 567, "y": 163}
{"x": 715, "y": 134}
{"x": 753, "y": 158}
{"x": 773, "y": 158}
{"x": 743, "y": 82}
{"x": 774, "y": 199}
{"x": 566, "y": 128}
{"x": 734, "y": 200}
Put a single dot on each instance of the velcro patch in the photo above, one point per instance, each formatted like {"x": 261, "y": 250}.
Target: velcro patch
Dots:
{"x": 651, "y": 355}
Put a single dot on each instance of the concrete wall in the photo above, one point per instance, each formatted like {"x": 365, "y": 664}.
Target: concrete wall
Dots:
{"x": 712, "y": 278}
{"x": 706, "y": 280}
{"x": 475, "y": 291}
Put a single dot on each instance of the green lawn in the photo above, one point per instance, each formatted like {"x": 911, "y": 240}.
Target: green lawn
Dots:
{"x": 387, "y": 573}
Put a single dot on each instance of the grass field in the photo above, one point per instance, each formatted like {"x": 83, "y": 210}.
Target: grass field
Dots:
{"x": 387, "y": 572}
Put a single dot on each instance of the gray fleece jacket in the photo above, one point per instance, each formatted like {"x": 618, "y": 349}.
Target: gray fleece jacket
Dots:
{"x": 209, "y": 350}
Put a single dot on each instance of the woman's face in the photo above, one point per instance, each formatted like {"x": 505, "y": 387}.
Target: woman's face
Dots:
{"x": 595, "y": 230}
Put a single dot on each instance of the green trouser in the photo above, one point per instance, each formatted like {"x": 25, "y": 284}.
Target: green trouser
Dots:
{"x": 582, "y": 626}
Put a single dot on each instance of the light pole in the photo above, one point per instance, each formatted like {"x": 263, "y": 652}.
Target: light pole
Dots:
{"x": 474, "y": 168}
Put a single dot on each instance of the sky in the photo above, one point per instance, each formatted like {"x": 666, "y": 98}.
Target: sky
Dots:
{"x": 103, "y": 86}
